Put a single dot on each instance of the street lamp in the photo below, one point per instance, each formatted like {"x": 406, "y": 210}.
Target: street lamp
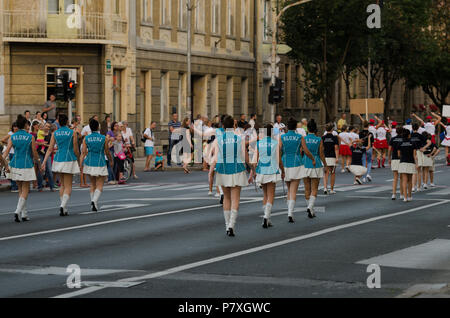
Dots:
{"x": 275, "y": 19}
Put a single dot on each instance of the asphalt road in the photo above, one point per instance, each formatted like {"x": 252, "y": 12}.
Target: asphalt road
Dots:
{"x": 164, "y": 237}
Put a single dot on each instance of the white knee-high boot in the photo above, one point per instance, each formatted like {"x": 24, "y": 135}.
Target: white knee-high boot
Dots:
{"x": 268, "y": 211}
{"x": 96, "y": 197}
{"x": 233, "y": 218}
{"x": 20, "y": 206}
{"x": 291, "y": 205}
{"x": 64, "y": 201}
{"x": 227, "y": 216}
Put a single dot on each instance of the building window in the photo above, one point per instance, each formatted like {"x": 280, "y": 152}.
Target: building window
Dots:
{"x": 245, "y": 9}
{"x": 215, "y": 15}
{"x": 116, "y": 9}
{"x": 244, "y": 95}
{"x": 230, "y": 96}
{"x": 200, "y": 16}
{"x": 182, "y": 23}
{"x": 164, "y": 97}
{"x": 230, "y": 17}
{"x": 267, "y": 19}
{"x": 53, "y": 6}
{"x": 147, "y": 11}
{"x": 166, "y": 12}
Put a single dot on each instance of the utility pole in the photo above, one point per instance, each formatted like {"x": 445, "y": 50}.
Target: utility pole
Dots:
{"x": 189, "y": 59}
{"x": 275, "y": 20}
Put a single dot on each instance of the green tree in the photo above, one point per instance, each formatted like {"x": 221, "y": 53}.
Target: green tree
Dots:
{"x": 325, "y": 37}
{"x": 429, "y": 62}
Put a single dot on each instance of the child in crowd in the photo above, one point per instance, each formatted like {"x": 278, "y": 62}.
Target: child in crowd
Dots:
{"x": 159, "y": 162}
{"x": 357, "y": 168}
{"x": 119, "y": 158}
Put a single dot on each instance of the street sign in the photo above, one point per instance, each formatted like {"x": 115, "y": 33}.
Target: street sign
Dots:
{"x": 277, "y": 60}
{"x": 446, "y": 111}
{"x": 366, "y": 106}
{"x": 108, "y": 65}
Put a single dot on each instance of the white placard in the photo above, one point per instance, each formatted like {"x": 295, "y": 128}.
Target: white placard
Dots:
{"x": 446, "y": 111}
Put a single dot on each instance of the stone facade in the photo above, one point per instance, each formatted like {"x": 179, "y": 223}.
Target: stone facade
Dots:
{"x": 129, "y": 58}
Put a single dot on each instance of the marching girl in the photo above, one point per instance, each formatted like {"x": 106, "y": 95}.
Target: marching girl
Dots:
{"x": 95, "y": 148}
{"x": 292, "y": 143}
{"x": 313, "y": 171}
{"x": 381, "y": 143}
{"x": 429, "y": 154}
{"x": 446, "y": 141}
{"x": 331, "y": 151}
{"x": 408, "y": 164}
{"x": 429, "y": 126}
{"x": 65, "y": 161}
{"x": 267, "y": 170}
{"x": 344, "y": 149}
{"x": 230, "y": 156}
{"x": 394, "y": 161}
{"x": 22, "y": 165}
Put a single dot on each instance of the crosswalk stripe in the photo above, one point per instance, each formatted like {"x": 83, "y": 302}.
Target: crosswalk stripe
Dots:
{"x": 375, "y": 189}
{"x": 349, "y": 188}
{"x": 441, "y": 192}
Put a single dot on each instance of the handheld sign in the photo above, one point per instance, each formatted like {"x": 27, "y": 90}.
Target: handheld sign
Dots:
{"x": 446, "y": 111}
{"x": 366, "y": 106}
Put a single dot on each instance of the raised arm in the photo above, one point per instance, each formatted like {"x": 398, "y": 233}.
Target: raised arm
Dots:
{"x": 418, "y": 118}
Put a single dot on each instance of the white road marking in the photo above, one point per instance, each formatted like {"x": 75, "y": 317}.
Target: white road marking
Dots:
{"x": 349, "y": 188}
{"x": 433, "y": 255}
{"x": 255, "y": 249}
{"x": 60, "y": 271}
{"x": 388, "y": 198}
{"x": 118, "y": 207}
{"x": 147, "y": 216}
{"x": 375, "y": 189}
{"x": 441, "y": 192}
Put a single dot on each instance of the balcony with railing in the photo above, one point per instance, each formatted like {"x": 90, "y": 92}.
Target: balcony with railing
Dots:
{"x": 32, "y": 26}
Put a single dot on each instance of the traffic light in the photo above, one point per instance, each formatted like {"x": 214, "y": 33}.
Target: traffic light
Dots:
{"x": 71, "y": 90}
{"x": 61, "y": 86}
{"x": 276, "y": 95}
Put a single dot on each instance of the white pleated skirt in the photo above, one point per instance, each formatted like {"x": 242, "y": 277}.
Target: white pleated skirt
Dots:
{"x": 446, "y": 142}
{"x": 313, "y": 173}
{"x": 268, "y": 178}
{"x": 358, "y": 170}
{"x": 232, "y": 180}
{"x": 420, "y": 158}
{"x": 293, "y": 173}
{"x": 95, "y": 171}
{"x": 331, "y": 162}
{"x": 395, "y": 165}
{"x": 70, "y": 167}
{"x": 427, "y": 161}
{"x": 407, "y": 168}
{"x": 25, "y": 175}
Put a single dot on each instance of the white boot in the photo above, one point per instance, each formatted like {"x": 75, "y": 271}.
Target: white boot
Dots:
{"x": 227, "y": 215}
{"x": 20, "y": 207}
{"x": 291, "y": 206}
{"x": 96, "y": 197}
{"x": 64, "y": 201}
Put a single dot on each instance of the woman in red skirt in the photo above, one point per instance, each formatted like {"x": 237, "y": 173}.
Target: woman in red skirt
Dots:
{"x": 344, "y": 148}
{"x": 381, "y": 143}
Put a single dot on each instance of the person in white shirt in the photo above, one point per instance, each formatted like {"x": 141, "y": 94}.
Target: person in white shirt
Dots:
{"x": 149, "y": 145}
{"x": 381, "y": 143}
{"x": 279, "y": 127}
{"x": 446, "y": 142}
{"x": 252, "y": 121}
{"x": 429, "y": 126}
{"x": 344, "y": 150}
{"x": 393, "y": 128}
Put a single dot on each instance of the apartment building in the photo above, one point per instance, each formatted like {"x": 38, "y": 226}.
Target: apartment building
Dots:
{"x": 129, "y": 59}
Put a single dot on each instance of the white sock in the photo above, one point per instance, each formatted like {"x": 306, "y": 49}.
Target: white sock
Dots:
{"x": 227, "y": 215}
{"x": 312, "y": 201}
{"x": 307, "y": 203}
{"x": 24, "y": 210}
{"x": 233, "y": 218}
{"x": 264, "y": 208}
{"x": 92, "y": 196}
{"x": 220, "y": 190}
{"x": 291, "y": 205}
{"x": 64, "y": 201}
{"x": 20, "y": 206}
{"x": 268, "y": 211}
{"x": 60, "y": 199}
{"x": 96, "y": 197}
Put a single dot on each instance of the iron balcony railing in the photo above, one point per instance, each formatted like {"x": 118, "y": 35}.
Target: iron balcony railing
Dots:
{"x": 38, "y": 25}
